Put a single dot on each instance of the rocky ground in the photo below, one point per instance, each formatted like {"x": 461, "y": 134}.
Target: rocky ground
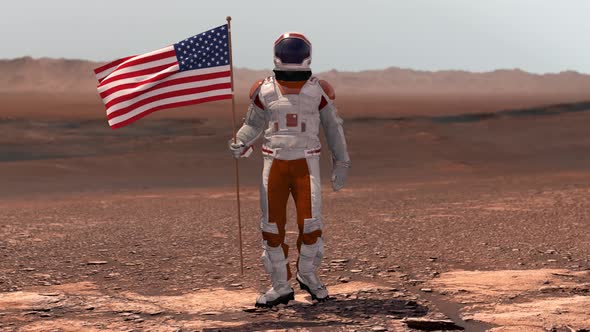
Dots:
{"x": 475, "y": 225}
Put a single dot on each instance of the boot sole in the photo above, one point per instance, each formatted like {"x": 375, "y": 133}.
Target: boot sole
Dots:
{"x": 313, "y": 296}
{"x": 281, "y": 300}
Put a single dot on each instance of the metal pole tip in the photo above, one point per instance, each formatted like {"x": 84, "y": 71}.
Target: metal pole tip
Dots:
{"x": 228, "y": 18}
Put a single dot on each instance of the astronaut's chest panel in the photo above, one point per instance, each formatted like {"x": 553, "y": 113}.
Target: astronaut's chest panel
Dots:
{"x": 293, "y": 114}
{"x": 291, "y": 120}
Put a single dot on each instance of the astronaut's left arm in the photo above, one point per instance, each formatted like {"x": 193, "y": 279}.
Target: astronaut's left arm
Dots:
{"x": 332, "y": 125}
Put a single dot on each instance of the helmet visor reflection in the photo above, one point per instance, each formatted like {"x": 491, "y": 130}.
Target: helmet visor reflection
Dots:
{"x": 292, "y": 50}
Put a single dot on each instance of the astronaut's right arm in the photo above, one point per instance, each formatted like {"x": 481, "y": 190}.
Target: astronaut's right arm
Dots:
{"x": 251, "y": 130}
{"x": 253, "y": 125}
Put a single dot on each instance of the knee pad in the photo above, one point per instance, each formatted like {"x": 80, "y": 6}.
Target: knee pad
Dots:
{"x": 268, "y": 227}
{"x": 312, "y": 224}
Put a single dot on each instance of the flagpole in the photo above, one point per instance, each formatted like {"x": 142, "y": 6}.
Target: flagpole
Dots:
{"x": 233, "y": 109}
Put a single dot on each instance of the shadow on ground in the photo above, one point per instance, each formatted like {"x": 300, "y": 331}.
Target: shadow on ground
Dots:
{"x": 334, "y": 313}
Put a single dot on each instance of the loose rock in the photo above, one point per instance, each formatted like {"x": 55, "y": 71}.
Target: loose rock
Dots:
{"x": 211, "y": 313}
{"x": 426, "y": 324}
{"x": 344, "y": 279}
{"x": 96, "y": 262}
{"x": 339, "y": 261}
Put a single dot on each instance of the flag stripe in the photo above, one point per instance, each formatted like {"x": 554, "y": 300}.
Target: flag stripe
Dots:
{"x": 130, "y": 99}
{"x": 169, "y": 103}
{"x": 153, "y": 70}
{"x": 148, "y": 86}
{"x": 168, "y": 61}
{"x": 158, "y": 51}
{"x": 109, "y": 68}
{"x": 103, "y": 71}
{"x": 171, "y": 94}
{"x": 115, "y": 125}
{"x": 136, "y": 81}
{"x": 156, "y": 79}
{"x": 138, "y": 61}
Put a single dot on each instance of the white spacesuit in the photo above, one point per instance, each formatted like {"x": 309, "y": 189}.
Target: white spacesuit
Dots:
{"x": 288, "y": 108}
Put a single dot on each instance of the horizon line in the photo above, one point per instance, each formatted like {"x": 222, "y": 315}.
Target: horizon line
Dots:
{"x": 516, "y": 69}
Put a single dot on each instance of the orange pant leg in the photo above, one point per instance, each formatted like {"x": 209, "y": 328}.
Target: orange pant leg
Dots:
{"x": 301, "y": 190}
{"x": 278, "y": 195}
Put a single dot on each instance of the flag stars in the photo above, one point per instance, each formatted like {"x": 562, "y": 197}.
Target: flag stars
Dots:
{"x": 207, "y": 49}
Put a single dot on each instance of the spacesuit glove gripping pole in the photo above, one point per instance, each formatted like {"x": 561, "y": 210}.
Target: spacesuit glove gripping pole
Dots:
{"x": 339, "y": 174}
{"x": 239, "y": 149}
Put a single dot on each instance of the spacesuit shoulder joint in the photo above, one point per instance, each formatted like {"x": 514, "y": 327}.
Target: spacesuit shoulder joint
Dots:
{"x": 328, "y": 89}
{"x": 255, "y": 87}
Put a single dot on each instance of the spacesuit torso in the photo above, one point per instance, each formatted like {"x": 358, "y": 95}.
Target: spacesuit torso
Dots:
{"x": 293, "y": 120}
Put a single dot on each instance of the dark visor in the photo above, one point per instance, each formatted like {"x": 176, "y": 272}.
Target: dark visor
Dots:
{"x": 292, "y": 50}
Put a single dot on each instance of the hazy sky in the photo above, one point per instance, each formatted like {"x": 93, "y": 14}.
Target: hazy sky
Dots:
{"x": 535, "y": 35}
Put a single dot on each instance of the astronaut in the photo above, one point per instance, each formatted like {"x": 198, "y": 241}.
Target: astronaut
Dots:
{"x": 288, "y": 109}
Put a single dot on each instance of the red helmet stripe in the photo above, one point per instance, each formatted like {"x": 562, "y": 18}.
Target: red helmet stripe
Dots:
{"x": 292, "y": 35}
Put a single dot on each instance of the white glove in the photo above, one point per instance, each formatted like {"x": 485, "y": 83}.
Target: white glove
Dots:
{"x": 239, "y": 149}
{"x": 339, "y": 174}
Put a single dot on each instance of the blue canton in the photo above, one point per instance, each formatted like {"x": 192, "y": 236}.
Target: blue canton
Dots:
{"x": 205, "y": 50}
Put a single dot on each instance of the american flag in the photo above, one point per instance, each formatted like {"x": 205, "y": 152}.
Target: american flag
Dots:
{"x": 193, "y": 71}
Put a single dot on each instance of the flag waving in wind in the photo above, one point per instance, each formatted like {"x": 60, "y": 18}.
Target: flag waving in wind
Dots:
{"x": 193, "y": 71}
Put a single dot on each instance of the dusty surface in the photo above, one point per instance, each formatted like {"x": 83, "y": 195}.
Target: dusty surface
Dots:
{"x": 83, "y": 306}
{"x": 480, "y": 219}
{"x": 521, "y": 300}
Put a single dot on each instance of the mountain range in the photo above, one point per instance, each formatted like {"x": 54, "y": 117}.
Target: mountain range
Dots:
{"x": 65, "y": 76}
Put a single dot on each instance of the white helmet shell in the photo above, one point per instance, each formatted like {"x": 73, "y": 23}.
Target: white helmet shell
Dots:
{"x": 292, "y": 52}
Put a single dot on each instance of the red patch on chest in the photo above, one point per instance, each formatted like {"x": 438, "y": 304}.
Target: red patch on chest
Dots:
{"x": 292, "y": 120}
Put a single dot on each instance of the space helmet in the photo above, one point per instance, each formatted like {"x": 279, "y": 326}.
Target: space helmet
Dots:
{"x": 292, "y": 52}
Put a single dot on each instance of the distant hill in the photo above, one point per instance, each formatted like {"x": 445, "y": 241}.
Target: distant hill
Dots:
{"x": 76, "y": 76}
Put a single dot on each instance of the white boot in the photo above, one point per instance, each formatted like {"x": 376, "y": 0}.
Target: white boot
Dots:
{"x": 310, "y": 258}
{"x": 275, "y": 264}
